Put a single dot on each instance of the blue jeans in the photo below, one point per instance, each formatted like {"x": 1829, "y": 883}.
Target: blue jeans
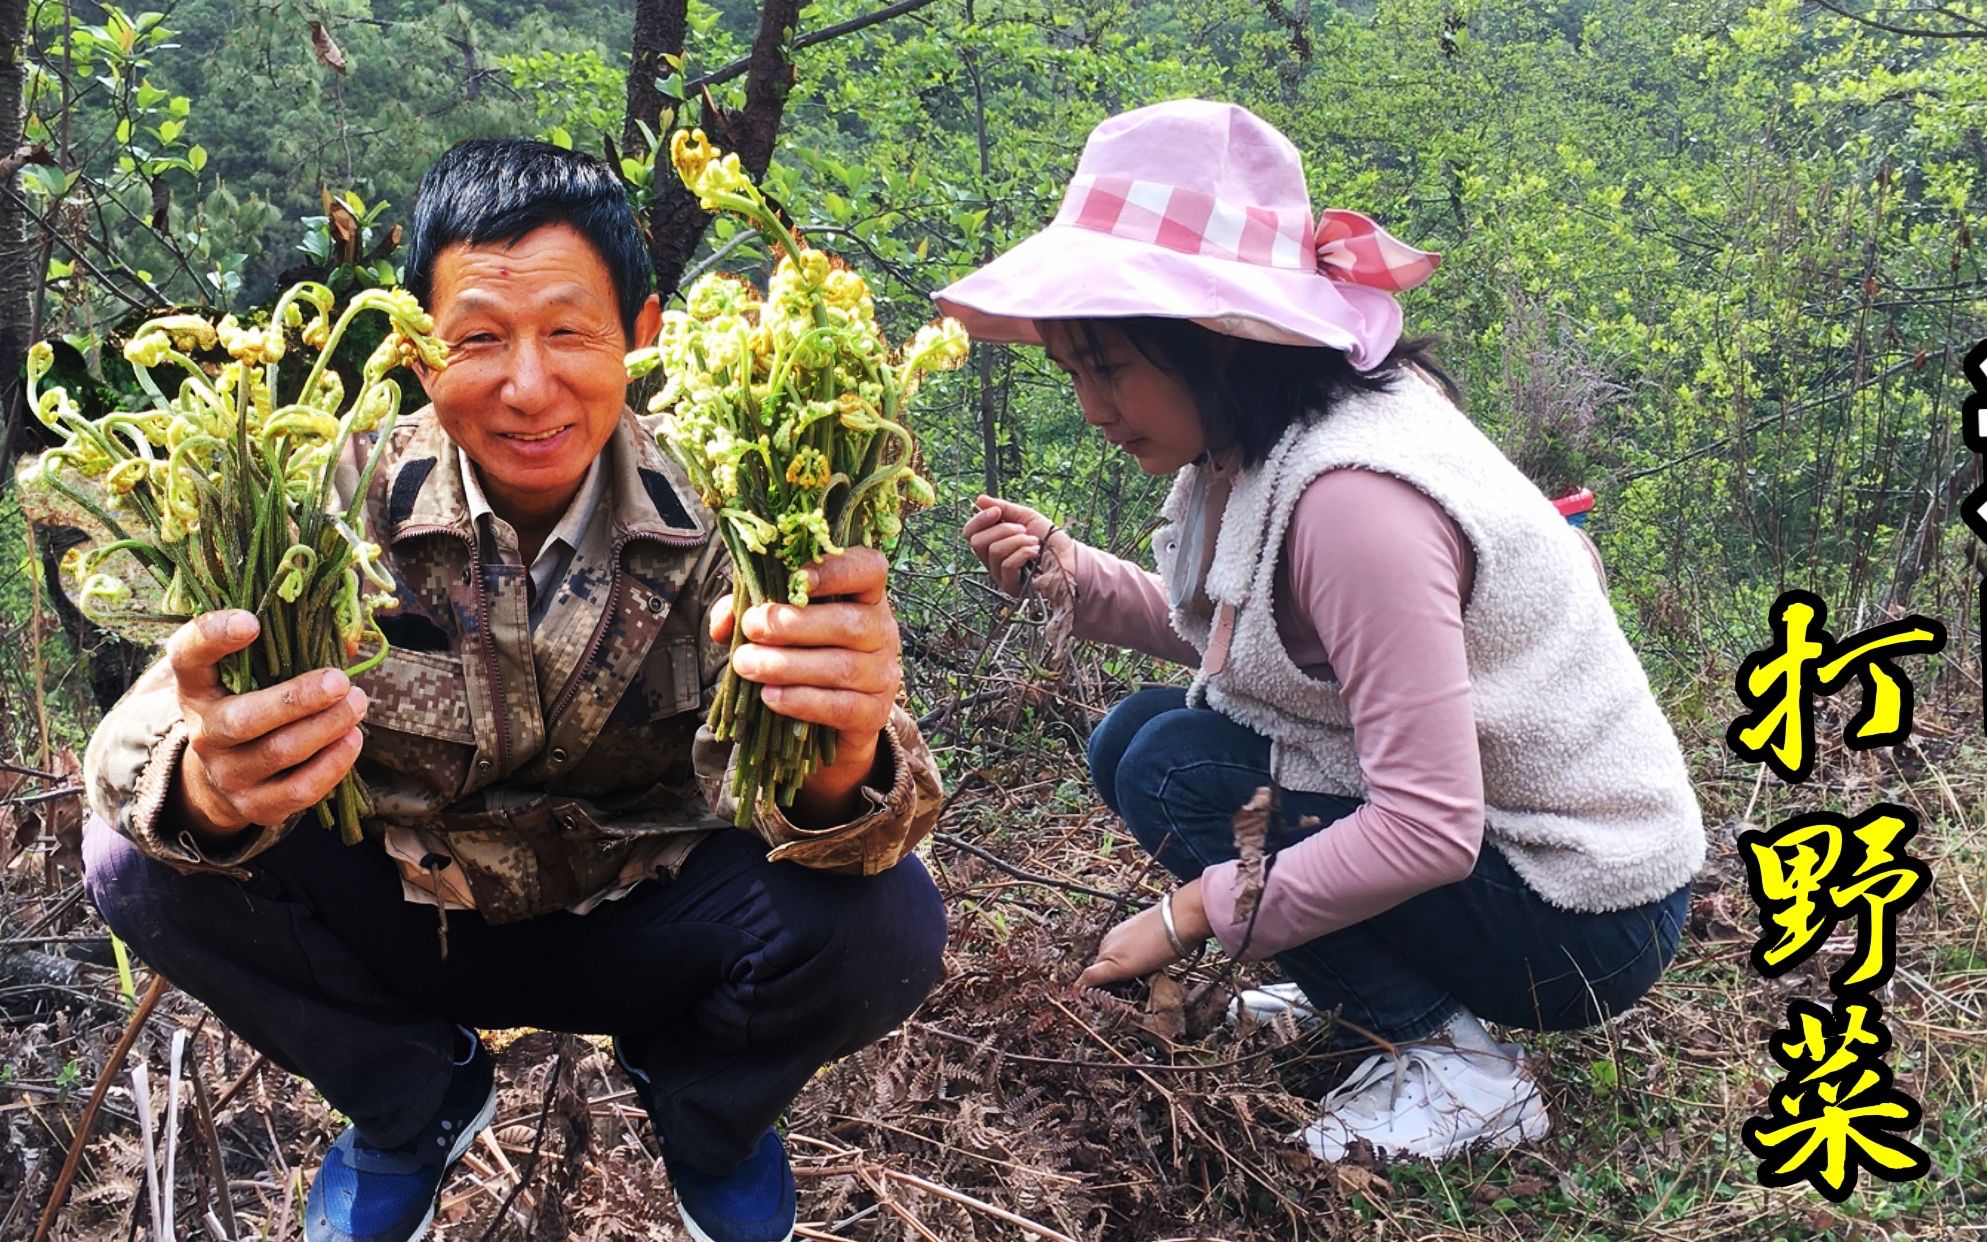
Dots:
{"x": 1176, "y": 775}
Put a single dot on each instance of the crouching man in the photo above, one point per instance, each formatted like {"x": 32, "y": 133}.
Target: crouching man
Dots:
{"x": 550, "y": 844}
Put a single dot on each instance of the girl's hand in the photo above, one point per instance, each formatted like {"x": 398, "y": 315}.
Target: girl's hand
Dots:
{"x": 1138, "y": 947}
{"x": 1006, "y": 536}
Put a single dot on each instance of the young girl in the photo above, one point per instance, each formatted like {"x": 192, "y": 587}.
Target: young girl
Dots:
{"x": 1392, "y": 628}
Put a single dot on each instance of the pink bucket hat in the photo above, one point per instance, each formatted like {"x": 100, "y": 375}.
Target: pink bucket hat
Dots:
{"x": 1197, "y": 210}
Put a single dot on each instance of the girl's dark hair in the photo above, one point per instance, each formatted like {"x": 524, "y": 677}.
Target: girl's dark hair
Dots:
{"x": 1259, "y": 390}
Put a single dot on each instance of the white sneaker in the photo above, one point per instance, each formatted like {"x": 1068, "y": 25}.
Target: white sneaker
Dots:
{"x": 1434, "y": 1100}
{"x": 1264, "y": 1003}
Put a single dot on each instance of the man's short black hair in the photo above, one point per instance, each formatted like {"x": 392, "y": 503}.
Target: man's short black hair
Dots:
{"x": 495, "y": 190}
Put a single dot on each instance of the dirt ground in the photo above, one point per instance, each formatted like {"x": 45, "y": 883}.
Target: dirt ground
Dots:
{"x": 1013, "y": 1106}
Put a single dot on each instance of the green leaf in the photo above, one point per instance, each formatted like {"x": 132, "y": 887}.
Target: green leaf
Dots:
{"x": 170, "y": 130}
{"x": 45, "y": 179}
{"x": 124, "y": 129}
{"x": 196, "y": 157}
{"x": 180, "y": 105}
{"x": 560, "y": 136}
{"x": 59, "y": 270}
{"x": 1603, "y": 1074}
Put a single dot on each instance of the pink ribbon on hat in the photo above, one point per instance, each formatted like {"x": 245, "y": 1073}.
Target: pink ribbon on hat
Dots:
{"x": 1351, "y": 247}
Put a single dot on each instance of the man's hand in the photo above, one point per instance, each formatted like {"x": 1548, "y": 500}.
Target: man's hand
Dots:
{"x": 836, "y": 662}
{"x": 1138, "y": 947}
{"x": 263, "y": 756}
{"x": 1006, "y": 536}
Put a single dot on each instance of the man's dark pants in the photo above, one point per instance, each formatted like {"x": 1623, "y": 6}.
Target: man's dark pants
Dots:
{"x": 729, "y": 984}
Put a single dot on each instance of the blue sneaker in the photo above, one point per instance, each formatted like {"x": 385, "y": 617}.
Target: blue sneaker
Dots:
{"x": 752, "y": 1203}
{"x": 372, "y": 1194}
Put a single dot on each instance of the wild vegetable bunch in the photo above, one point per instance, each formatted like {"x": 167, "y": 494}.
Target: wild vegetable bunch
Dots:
{"x": 224, "y": 498}
{"x": 785, "y": 409}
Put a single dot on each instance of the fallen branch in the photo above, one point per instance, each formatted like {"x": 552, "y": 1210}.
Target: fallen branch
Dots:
{"x": 46, "y": 795}
{"x": 812, "y": 37}
{"x": 1129, "y": 1066}
{"x": 966, "y": 1200}
{"x": 233, "y": 1089}
{"x": 897, "y": 1209}
{"x": 1021, "y": 873}
{"x": 63, "y": 905}
{"x": 74, "y": 1159}
{"x": 531, "y": 1167}
{"x": 203, "y": 1116}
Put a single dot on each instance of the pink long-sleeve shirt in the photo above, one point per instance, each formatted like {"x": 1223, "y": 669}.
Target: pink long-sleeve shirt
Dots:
{"x": 1370, "y": 588}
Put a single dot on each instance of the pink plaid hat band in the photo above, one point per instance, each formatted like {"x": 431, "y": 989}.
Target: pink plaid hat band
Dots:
{"x": 1345, "y": 245}
{"x": 1197, "y": 209}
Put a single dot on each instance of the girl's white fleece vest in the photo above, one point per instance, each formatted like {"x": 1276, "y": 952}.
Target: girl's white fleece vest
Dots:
{"x": 1585, "y": 788}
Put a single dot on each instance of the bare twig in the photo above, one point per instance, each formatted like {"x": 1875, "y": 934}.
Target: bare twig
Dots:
{"x": 47, "y": 795}
{"x": 812, "y": 37}
{"x": 1126, "y": 1065}
{"x": 715, "y": 257}
{"x": 1913, "y": 32}
{"x": 241, "y": 1080}
{"x": 899, "y": 1210}
{"x": 138, "y": 304}
{"x": 978, "y": 1205}
{"x": 62, "y": 906}
{"x": 1021, "y": 873}
{"x": 203, "y": 1116}
{"x": 34, "y": 772}
{"x": 531, "y": 1165}
{"x": 74, "y": 1159}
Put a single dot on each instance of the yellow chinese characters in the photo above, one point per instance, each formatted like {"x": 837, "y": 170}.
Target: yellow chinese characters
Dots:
{"x": 1778, "y": 685}
{"x": 1811, "y": 872}
{"x": 1836, "y": 1111}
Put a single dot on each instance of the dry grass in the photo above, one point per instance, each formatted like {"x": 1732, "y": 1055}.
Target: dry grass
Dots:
{"x": 1012, "y": 1106}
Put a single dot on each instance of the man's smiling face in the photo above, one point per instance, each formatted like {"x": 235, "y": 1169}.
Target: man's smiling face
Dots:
{"x": 535, "y": 381}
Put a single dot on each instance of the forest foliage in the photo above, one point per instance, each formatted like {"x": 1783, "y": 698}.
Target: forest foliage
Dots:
{"x": 1714, "y": 259}
{"x": 1711, "y": 258}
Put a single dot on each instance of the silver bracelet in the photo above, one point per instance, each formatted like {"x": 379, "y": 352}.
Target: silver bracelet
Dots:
{"x": 1180, "y": 950}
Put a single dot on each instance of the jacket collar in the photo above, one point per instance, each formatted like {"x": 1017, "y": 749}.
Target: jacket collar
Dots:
{"x": 648, "y": 495}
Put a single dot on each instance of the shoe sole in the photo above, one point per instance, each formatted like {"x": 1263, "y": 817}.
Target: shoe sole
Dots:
{"x": 476, "y": 1126}
{"x": 1272, "y": 1000}
{"x": 700, "y": 1236}
{"x": 1533, "y": 1124}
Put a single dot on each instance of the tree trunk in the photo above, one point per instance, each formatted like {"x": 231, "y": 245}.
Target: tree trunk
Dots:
{"x": 660, "y": 26}
{"x": 17, "y": 274}
{"x": 676, "y": 222}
